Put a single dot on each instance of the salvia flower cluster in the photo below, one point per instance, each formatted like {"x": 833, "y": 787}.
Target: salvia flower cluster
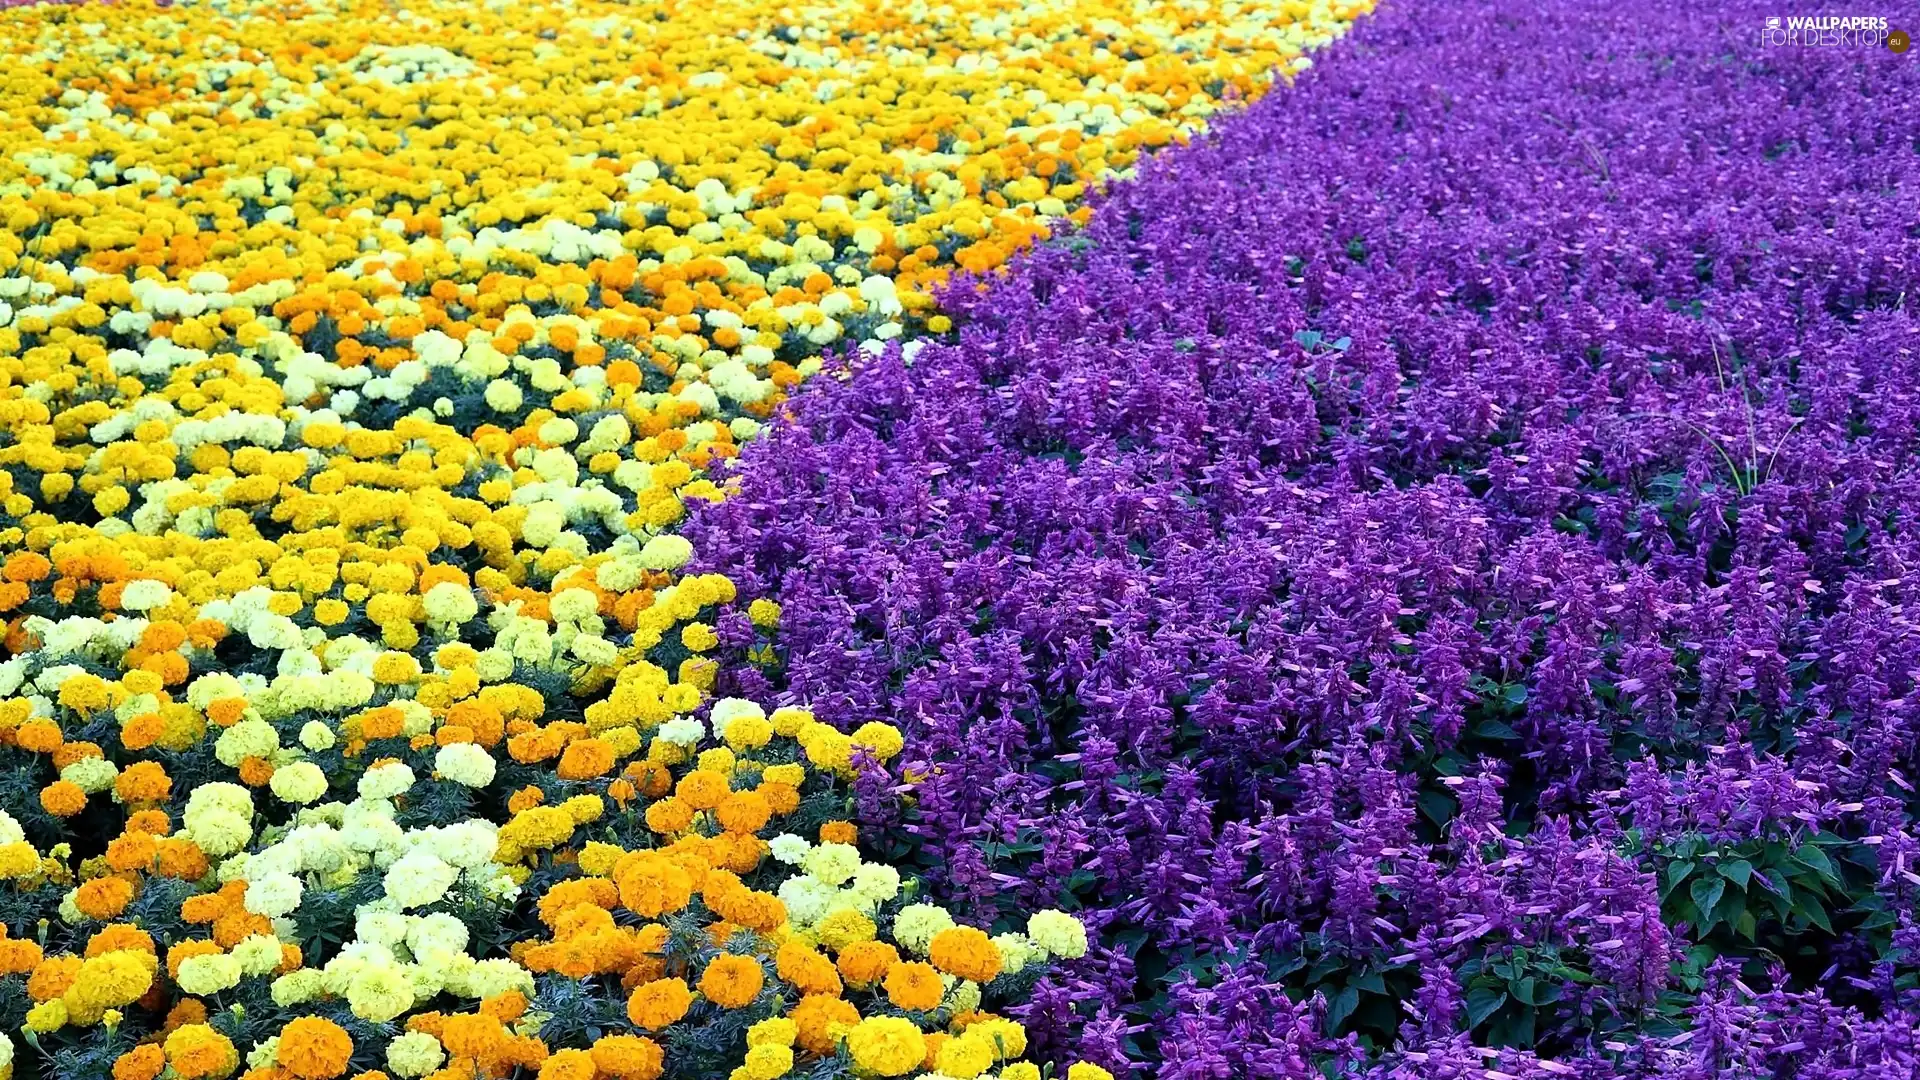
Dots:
{"x": 1431, "y": 569}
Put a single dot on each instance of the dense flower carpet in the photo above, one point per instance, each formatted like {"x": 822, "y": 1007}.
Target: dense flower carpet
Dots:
{"x": 727, "y": 541}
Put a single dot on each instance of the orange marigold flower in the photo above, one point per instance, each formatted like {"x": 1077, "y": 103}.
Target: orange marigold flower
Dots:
{"x": 120, "y": 936}
{"x": 182, "y": 859}
{"x": 63, "y": 798}
{"x": 26, "y": 566}
{"x": 53, "y": 977}
{"x": 143, "y": 782}
{"x": 822, "y": 1020}
{"x": 314, "y": 1048}
{"x": 185, "y": 1011}
{"x": 38, "y": 736}
{"x": 473, "y": 1035}
{"x": 629, "y": 1057}
{"x": 133, "y": 851}
{"x": 505, "y": 1007}
{"x": 732, "y": 982}
{"x": 652, "y": 778}
{"x": 784, "y": 798}
{"x": 227, "y": 712}
{"x": 724, "y": 852}
{"x": 140, "y": 1063}
{"x": 237, "y": 925}
{"x": 838, "y": 832}
{"x": 143, "y": 731}
{"x": 669, "y": 815}
{"x": 966, "y": 952}
{"x": 598, "y": 892}
{"x": 19, "y": 956}
{"x": 864, "y": 963}
{"x": 75, "y": 751}
{"x": 151, "y": 822}
{"x": 385, "y": 722}
{"x": 104, "y": 898}
{"x": 568, "y": 1065}
{"x": 659, "y": 1003}
{"x": 206, "y": 633}
{"x": 651, "y": 885}
{"x": 256, "y": 771}
{"x": 702, "y": 789}
{"x": 585, "y": 759}
{"x": 914, "y": 986}
{"x": 806, "y": 969}
{"x": 744, "y": 812}
{"x": 649, "y": 956}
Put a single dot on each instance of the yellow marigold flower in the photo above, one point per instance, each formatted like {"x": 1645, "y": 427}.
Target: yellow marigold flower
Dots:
{"x": 108, "y": 981}
{"x": 768, "y": 1061}
{"x": 966, "y": 1056}
{"x": 845, "y": 927}
{"x": 776, "y": 1031}
{"x": 47, "y": 1016}
{"x": 887, "y": 1045}
{"x": 196, "y": 1050}
{"x": 882, "y": 741}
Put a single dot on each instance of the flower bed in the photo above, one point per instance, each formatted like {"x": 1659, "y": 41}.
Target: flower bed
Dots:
{"x": 1428, "y": 567}
{"x": 357, "y": 365}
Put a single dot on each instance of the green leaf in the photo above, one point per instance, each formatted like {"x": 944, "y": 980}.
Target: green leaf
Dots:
{"x": 1816, "y": 860}
{"x": 1482, "y": 1002}
{"x": 1341, "y": 1007}
{"x": 1438, "y": 806}
{"x": 1522, "y": 990}
{"x": 1490, "y": 728}
{"x": 1738, "y": 871}
{"x": 1706, "y": 893}
{"x": 1677, "y": 872}
{"x": 1816, "y": 913}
